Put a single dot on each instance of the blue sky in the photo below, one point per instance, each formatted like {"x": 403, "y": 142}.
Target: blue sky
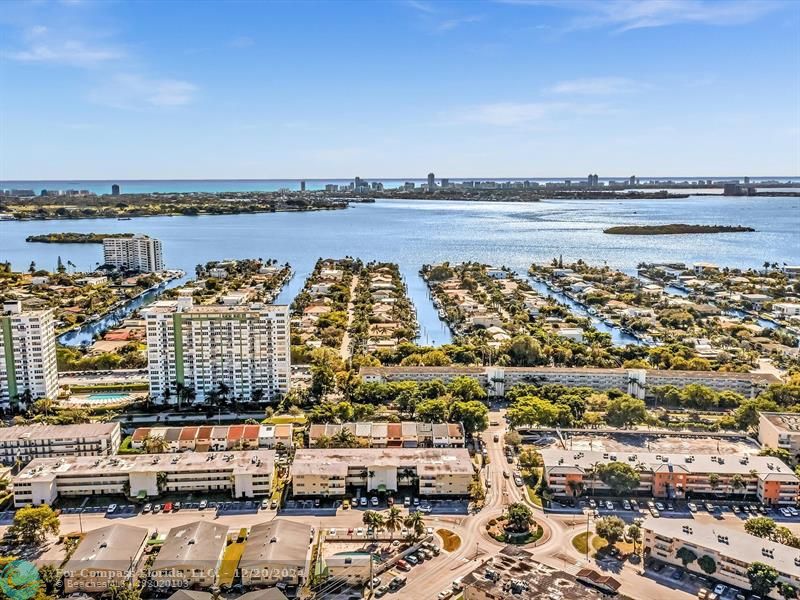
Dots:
{"x": 538, "y": 88}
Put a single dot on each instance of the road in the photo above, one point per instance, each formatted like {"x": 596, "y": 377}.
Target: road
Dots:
{"x": 345, "y": 351}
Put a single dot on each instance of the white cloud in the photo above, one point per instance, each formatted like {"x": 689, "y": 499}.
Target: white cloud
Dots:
{"x": 421, "y": 6}
{"x": 596, "y": 86}
{"x": 624, "y": 15}
{"x": 513, "y": 114}
{"x": 242, "y": 41}
{"x": 136, "y": 91}
{"x": 448, "y": 24}
{"x": 70, "y": 52}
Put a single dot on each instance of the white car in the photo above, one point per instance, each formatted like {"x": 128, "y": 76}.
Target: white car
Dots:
{"x": 692, "y": 507}
{"x": 374, "y": 501}
{"x": 362, "y": 501}
{"x": 147, "y": 508}
{"x": 332, "y": 532}
{"x": 720, "y": 589}
{"x": 112, "y": 508}
{"x": 203, "y": 504}
{"x": 360, "y": 532}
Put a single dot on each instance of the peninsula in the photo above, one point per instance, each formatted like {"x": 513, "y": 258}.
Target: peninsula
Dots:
{"x": 673, "y": 229}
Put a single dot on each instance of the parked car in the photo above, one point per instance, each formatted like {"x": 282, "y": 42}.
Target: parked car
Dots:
{"x": 659, "y": 506}
{"x": 518, "y": 481}
{"x": 720, "y": 589}
{"x": 390, "y": 501}
{"x": 360, "y": 532}
{"x": 374, "y": 501}
{"x": 147, "y": 508}
{"x": 411, "y": 559}
{"x": 626, "y": 505}
{"x": 168, "y": 507}
{"x": 592, "y": 503}
{"x": 609, "y": 505}
{"x": 709, "y": 507}
{"x": 156, "y": 508}
{"x": 203, "y": 504}
{"x": 692, "y": 507}
{"x": 634, "y": 505}
{"x": 362, "y": 501}
{"x": 736, "y": 510}
{"x": 655, "y": 513}
{"x": 444, "y": 594}
{"x": 176, "y": 506}
{"x": 381, "y": 591}
{"x": 402, "y": 565}
{"x": 407, "y": 501}
{"x": 112, "y": 508}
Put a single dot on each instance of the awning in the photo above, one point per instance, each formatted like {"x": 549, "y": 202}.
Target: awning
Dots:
{"x": 142, "y": 495}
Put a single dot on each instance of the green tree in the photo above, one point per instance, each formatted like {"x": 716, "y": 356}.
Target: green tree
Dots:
{"x": 466, "y": 388}
{"x": 625, "y": 411}
{"x": 472, "y": 414}
{"x": 433, "y": 411}
{"x": 416, "y": 523}
{"x": 747, "y": 414}
{"x": 635, "y": 533}
{"x": 686, "y": 555}
{"x": 787, "y": 590}
{"x": 529, "y": 411}
{"x": 620, "y": 477}
{"x": 519, "y": 517}
{"x": 32, "y": 524}
{"x": 530, "y": 459}
{"x": 393, "y": 520}
{"x": 707, "y": 563}
{"x": 762, "y": 527}
{"x": 610, "y": 528}
{"x": 762, "y": 578}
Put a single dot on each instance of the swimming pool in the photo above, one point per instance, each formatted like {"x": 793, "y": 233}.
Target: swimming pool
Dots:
{"x": 107, "y": 397}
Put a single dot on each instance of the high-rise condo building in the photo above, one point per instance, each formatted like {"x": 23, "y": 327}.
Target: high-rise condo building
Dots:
{"x": 138, "y": 253}
{"x": 431, "y": 182}
{"x": 238, "y": 351}
{"x": 27, "y": 355}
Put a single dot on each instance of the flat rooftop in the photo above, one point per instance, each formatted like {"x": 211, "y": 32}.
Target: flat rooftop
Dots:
{"x": 248, "y": 461}
{"x": 786, "y": 422}
{"x": 429, "y": 461}
{"x": 516, "y": 574}
{"x": 55, "y": 432}
{"x": 660, "y": 443}
{"x": 730, "y": 542}
{"x": 690, "y": 463}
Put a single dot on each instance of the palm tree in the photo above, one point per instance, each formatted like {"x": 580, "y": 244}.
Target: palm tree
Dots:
{"x": 393, "y": 520}
{"x": 576, "y": 487}
{"x": 344, "y": 438}
{"x": 155, "y": 444}
{"x": 373, "y": 520}
{"x": 737, "y": 482}
{"x": 416, "y": 523}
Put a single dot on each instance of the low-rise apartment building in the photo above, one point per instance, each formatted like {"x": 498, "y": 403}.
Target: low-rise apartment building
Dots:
{"x": 22, "y": 443}
{"x": 433, "y": 471}
{"x": 190, "y": 556}
{"x": 675, "y": 476}
{"x": 780, "y": 430}
{"x": 636, "y": 382}
{"x": 407, "y": 434}
{"x": 277, "y": 551}
{"x": 245, "y": 474}
{"x": 104, "y": 557}
{"x": 731, "y": 549}
{"x": 223, "y": 437}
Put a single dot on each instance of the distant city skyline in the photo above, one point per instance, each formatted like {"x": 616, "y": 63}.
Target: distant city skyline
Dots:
{"x": 131, "y": 91}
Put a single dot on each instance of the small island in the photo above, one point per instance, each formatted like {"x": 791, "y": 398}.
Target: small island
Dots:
{"x": 673, "y": 229}
{"x": 74, "y": 238}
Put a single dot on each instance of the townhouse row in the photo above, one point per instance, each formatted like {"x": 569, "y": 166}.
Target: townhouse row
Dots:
{"x": 636, "y": 382}
{"x": 20, "y": 444}
{"x": 214, "y": 438}
{"x": 731, "y": 550}
{"x": 407, "y": 434}
{"x": 675, "y": 476}
{"x": 427, "y": 472}
{"x": 244, "y": 474}
{"x": 191, "y": 556}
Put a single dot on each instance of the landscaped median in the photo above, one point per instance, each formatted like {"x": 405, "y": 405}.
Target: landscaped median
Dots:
{"x": 450, "y": 541}
{"x": 515, "y": 526}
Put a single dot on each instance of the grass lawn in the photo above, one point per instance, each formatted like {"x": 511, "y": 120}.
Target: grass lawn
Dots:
{"x": 450, "y": 539}
{"x": 285, "y": 420}
{"x": 581, "y": 542}
{"x": 598, "y": 543}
